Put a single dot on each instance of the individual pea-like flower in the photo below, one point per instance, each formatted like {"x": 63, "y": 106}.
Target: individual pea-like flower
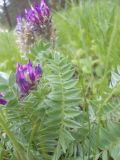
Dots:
{"x": 2, "y": 100}
{"x": 27, "y": 77}
{"x": 36, "y": 24}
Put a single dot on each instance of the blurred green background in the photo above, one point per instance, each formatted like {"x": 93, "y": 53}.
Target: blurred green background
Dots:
{"x": 88, "y": 32}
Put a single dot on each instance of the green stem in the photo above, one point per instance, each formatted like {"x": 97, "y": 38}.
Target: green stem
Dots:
{"x": 18, "y": 148}
{"x": 99, "y": 118}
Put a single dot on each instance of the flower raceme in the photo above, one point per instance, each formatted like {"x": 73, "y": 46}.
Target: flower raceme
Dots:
{"x": 25, "y": 37}
{"x": 39, "y": 19}
{"x": 36, "y": 24}
{"x": 2, "y": 100}
{"x": 27, "y": 77}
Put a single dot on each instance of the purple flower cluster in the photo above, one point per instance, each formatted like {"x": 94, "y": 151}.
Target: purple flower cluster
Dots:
{"x": 38, "y": 14}
{"x": 36, "y": 24}
{"x": 27, "y": 77}
{"x": 2, "y": 100}
{"x": 25, "y": 36}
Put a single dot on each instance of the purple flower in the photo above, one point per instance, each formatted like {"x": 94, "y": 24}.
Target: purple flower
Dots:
{"x": 2, "y": 101}
{"x": 38, "y": 14}
{"x": 25, "y": 36}
{"x": 39, "y": 19}
{"x": 27, "y": 77}
{"x": 35, "y": 25}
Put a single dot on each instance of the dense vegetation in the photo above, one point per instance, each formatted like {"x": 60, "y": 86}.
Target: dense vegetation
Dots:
{"x": 74, "y": 113}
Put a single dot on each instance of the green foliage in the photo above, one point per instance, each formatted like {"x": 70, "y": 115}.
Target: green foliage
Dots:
{"x": 115, "y": 78}
{"x": 110, "y": 140}
{"x": 9, "y": 52}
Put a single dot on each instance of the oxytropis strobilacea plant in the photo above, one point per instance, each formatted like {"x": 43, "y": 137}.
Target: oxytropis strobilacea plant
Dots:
{"x": 35, "y": 25}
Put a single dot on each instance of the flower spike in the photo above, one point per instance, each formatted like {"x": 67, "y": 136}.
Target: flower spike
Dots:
{"x": 27, "y": 77}
{"x": 36, "y": 24}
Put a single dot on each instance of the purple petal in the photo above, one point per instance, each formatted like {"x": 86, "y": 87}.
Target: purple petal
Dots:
{"x": 44, "y": 8}
{"x": 24, "y": 86}
{"x": 19, "y": 19}
{"x": 42, "y": 3}
{"x": 31, "y": 74}
{"x": 38, "y": 70}
{"x": 29, "y": 63}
